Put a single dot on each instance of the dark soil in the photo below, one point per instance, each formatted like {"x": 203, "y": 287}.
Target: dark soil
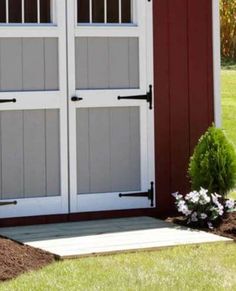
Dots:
{"x": 226, "y": 228}
{"x": 16, "y": 259}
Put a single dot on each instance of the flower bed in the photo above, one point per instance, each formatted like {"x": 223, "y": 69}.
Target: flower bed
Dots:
{"x": 202, "y": 208}
{"x": 227, "y": 227}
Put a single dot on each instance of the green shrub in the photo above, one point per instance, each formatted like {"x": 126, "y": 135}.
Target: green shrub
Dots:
{"x": 213, "y": 164}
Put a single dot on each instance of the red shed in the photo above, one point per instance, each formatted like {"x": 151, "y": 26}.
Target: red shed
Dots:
{"x": 101, "y": 104}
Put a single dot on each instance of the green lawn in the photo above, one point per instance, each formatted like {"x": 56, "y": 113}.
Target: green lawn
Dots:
{"x": 228, "y": 89}
{"x": 228, "y": 85}
{"x": 205, "y": 267}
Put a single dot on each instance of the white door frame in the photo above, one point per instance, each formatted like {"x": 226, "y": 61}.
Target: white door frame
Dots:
{"x": 143, "y": 30}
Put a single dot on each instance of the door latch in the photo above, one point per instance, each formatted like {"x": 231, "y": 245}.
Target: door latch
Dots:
{"x": 149, "y": 194}
{"x": 147, "y": 97}
{"x": 75, "y": 98}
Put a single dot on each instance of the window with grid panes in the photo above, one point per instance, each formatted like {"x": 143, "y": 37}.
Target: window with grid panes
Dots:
{"x": 104, "y": 11}
{"x": 25, "y": 11}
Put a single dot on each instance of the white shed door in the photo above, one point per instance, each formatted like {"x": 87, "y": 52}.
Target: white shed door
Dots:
{"x": 33, "y": 108}
{"x": 110, "y": 138}
{"x": 69, "y": 140}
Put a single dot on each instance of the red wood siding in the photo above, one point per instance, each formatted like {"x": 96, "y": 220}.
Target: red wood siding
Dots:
{"x": 183, "y": 81}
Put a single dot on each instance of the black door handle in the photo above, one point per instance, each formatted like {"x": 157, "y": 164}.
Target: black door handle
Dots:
{"x": 75, "y": 98}
{"x": 7, "y": 100}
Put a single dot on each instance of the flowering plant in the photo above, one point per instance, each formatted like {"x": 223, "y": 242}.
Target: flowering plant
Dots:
{"x": 203, "y": 208}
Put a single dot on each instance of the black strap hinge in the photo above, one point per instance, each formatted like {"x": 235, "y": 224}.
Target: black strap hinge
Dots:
{"x": 147, "y": 97}
{"x": 8, "y": 100}
{"x": 149, "y": 194}
{"x": 8, "y": 203}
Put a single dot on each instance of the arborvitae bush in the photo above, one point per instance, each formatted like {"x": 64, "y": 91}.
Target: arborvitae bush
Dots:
{"x": 213, "y": 164}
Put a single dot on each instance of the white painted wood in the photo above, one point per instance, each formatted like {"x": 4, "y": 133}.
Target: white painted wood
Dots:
{"x": 7, "y": 11}
{"x": 90, "y": 11}
{"x": 120, "y": 14}
{"x": 65, "y": 30}
{"x": 38, "y": 11}
{"x": 216, "y": 61}
{"x": 150, "y": 80}
{"x": 23, "y": 10}
{"x": 108, "y": 98}
{"x": 105, "y": 11}
{"x": 79, "y": 239}
{"x": 34, "y": 100}
{"x": 118, "y": 30}
{"x": 29, "y": 31}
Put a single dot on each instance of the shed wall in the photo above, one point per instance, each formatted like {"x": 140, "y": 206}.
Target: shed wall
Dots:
{"x": 183, "y": 79}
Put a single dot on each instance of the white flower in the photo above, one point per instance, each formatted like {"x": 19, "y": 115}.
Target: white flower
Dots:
{"x": 210, "y": 225}
{"x": 194, "y": 217}
{"x": 204, "y": 197}
{"x": 192, "y": 196}
{"x": 182, "y": 207}
{"x": 214, "y": 199}
{"x": 203, "y": 192}
{"x": 220, "y": 209}
{"x": 186, "y": 211}
{"x": 230, "y": 204}
{"x": 203, "y": 215}
{"x": 215, "y": 212}
{"x": 181, "y": 203}
{"x": 203, "y": 201}
{"x": 177, "y": 196}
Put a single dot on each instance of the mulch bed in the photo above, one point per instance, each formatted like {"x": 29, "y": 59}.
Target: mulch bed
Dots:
{"x": 16, "y": 259}
{"x": 226, "y": 228}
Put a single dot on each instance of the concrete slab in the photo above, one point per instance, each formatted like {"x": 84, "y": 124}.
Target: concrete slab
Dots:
{"x": 77, "y": 239}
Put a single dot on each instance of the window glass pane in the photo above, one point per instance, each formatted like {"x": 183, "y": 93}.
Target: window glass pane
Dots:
{"x": 126, "y": 11}
{"x": 83, "y": 11}
{"x": 98, "y": 11}
{"x": 113, "y": 11}
{"x": 45, "y": 11}
{"x": 31, "y": 11}
{"x": 15, "y": 11}
{"x": 2, "y": 11}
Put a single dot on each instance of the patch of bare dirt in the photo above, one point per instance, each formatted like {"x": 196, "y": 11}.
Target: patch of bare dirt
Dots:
{"x": 226, "y": 228}
{"x": 16, "y": 259}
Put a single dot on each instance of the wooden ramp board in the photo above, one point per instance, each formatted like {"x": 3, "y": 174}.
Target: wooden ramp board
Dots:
{"x": 77, "y": 239}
